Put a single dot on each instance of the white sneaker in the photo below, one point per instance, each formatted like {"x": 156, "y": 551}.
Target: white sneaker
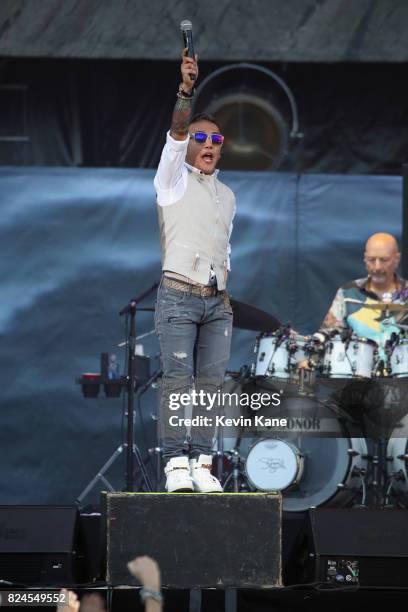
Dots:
{"x": 203, "y": 480}
{"x": 177, "y": 471}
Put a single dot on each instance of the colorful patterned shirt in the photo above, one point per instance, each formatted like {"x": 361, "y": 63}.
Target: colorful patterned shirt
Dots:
{"x": 371, "y": 323}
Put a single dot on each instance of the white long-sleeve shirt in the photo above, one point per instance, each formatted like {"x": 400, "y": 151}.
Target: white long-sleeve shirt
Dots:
{"x": 170, "y": 180}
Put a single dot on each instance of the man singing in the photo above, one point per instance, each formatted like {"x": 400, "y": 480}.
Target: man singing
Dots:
{"x": 193, "y": 311}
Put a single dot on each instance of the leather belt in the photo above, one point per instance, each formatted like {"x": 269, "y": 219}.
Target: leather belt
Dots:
{"x": 201, "y": 290}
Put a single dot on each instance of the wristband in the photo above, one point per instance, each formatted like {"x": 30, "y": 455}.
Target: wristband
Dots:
{"x": 184, "y": 94}
{"x": 146, "y": 592}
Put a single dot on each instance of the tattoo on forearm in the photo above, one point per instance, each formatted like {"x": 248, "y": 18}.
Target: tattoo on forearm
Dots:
{"x": 181, "y": 117}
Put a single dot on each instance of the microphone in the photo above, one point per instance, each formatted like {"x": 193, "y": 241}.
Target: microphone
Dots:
{"x": 186, "y": 28}
{"x": 346, "y": 335}
{"x": 282, "y": 334}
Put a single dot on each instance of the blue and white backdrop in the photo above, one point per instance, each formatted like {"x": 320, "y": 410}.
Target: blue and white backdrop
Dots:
{"x": 77, "y": 244}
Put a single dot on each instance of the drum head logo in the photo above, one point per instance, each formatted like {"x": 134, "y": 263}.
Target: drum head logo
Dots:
{"x": 272, "y": 464}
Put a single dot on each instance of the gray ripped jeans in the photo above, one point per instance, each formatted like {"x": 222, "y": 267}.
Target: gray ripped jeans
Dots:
{"x": 195, "y": 340}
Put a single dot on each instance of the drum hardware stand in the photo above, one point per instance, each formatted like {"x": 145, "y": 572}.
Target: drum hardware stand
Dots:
{"x": 385, "y": 367}
{"x": 311, "y": 376}
{"x": 346, "y": 337}
{"x": 374, "y": 460}
{"x": 236, "y": 472}
{"x": 282, "y": 334}
{"x": 244, "y": 374}
{"x": 343, "y": 487}
{"x": 301, "y": 388}
{"x": 382, "y": 446}
{"x": 361, "y": 473}
{"x": 399, "y": 475}
{"x": 378, "y": 459}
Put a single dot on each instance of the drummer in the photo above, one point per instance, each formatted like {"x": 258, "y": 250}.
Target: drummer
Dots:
{"x": 347, "y": 311}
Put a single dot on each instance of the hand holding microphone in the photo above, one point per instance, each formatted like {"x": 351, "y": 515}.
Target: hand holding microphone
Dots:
{"x": 186, "y": 28}
{"x": 189, "y": 66}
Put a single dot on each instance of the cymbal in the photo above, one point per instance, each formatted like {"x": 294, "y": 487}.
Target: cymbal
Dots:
{"x": 392, "y": 307}
{"x": 248, "y": 317}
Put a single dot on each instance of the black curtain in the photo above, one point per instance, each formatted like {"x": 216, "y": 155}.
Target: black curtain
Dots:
{"x": 115, "y": 113}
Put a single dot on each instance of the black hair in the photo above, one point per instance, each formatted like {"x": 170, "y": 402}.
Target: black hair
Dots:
{"x": 204, "y": 117}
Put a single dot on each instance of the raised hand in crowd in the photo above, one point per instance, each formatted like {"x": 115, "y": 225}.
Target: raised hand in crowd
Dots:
{"x": 73, "y": 602}
{"x": 146, "y": 571}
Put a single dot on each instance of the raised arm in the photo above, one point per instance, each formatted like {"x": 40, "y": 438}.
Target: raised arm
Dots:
{"x": 147, "y": 572}
{"x": 168, "y": 181}
{"x": 182, "y": 109}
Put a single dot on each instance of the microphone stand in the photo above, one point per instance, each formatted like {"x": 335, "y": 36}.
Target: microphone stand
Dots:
{"x": 130, "y": 383}
{"x": 131, "y": 448}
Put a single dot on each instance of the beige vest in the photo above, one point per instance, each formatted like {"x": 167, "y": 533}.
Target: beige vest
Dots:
{"x": 194, "y": 232}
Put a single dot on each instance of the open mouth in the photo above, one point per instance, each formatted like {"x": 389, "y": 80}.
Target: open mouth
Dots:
{"x": 208, "y": 158}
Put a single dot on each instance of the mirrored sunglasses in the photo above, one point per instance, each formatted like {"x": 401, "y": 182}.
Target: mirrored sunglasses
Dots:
{"x": 201, "y": 138}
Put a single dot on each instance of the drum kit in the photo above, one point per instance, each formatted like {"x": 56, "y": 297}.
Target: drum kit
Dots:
{"x": 346, "y": 405}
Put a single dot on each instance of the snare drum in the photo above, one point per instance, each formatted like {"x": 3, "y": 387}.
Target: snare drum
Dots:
{"x": 399, "y": 359}
{"x": 277, "y": 357}
{"x": 354, "y": 358}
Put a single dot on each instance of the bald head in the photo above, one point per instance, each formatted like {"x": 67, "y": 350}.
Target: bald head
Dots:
{"x": 382, "y": 257}
{"x": 383, "y": 241}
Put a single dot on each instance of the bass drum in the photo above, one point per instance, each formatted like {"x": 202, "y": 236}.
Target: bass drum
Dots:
{"x": 332, "y": 469}
{"x": 314, "y": 461}
{"x": 312, "y": 472}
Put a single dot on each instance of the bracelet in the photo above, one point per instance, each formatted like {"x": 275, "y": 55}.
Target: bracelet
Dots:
{"x": 183, "y": 94}
{"x": 146, "y": 592}
{"x": 179, "y": 95}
